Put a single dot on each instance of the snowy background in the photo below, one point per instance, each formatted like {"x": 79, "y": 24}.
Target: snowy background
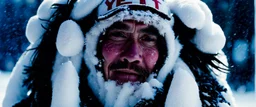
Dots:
{"x": 236, "y": 17}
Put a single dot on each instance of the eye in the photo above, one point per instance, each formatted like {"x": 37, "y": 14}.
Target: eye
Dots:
{"x": 117, "y": 36}
{"x": 149, "y": 40}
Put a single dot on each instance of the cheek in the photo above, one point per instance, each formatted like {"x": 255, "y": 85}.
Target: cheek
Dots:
{"x": 110, "y": 51}
{"x": 150, "y": 56}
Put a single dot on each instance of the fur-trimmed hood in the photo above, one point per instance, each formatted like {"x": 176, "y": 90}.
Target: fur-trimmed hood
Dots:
{"x": 59, "y": 67}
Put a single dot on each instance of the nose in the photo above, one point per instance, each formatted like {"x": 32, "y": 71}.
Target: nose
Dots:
{"x": 132, "y": 53}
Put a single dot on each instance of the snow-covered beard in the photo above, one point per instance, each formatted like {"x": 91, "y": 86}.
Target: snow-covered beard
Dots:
{"x": 128, "y": 94}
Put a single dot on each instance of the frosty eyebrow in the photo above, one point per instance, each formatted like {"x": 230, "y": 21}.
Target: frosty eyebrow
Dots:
{"x": 151, "y": 30}
{"x": 119, "y": 26}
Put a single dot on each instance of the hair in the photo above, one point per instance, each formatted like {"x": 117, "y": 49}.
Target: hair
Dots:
{"x": 202, "y": 65}
{"x": 42, "y": 61}
{"x": 40, "y": 71}
{"x": 87, "y": 96}
{"x": 193, "y": 57}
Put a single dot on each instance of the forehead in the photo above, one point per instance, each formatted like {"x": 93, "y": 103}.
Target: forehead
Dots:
{"x": 128, "y": 24}
{"x": 132, "y": 25}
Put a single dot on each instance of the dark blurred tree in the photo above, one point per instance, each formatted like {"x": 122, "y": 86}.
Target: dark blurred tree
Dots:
{"x": 12, "y": 33}
{"x": 242, "y": 29}
{"x": 236, "y": 17}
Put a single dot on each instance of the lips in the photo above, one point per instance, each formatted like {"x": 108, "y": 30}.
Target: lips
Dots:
{"x": 123, "y": 76}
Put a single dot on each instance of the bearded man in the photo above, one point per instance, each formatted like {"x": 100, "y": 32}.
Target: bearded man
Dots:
{"x": 121, "y": 53}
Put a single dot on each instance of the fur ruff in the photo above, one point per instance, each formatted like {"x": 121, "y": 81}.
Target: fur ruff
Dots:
{"x": 162, "y": 95}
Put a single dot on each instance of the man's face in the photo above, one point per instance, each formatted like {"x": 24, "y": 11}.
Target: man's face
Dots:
{"x": 130, "y": 51}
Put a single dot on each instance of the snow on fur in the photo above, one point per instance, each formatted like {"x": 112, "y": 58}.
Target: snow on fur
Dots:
{"x": 173, "y": 54}
{"x": 76, "y": 61}
{"x": 223, "y": 105}
{"x": 207, "y": 13}
{"x": 221, "y": 78}
{"x": 15, "y": 91}
{"x": 112, "y": 93}
{"x": 84, "y": 7}
{"x": 122, "y": 99}
{"x": 210, "y": 39}
{"x": 58, "y": 64}
{"x": 70, "y": 38}
{"x": 65, "y": 91}
{"x": 146, "y": 91}
{"x": 45, "y": 11}
{"x": 188, "y": 11}
{"x": 34, "y": 29}
{"x": 183, "y": 91}
{"x": 155, "y": 83}
{"x": 209, "y": 36}
{"x": 102, "y": 90}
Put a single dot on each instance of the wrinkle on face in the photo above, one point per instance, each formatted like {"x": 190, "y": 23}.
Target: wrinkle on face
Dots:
{"x": 132, "y": 42}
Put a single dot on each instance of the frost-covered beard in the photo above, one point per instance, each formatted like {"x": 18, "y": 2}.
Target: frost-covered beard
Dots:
{"x": 128, "y": 94}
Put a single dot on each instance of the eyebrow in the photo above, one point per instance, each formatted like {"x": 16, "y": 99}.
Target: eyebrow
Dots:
{"x": 151, "y": 30}
{"x": 119, "y": 26}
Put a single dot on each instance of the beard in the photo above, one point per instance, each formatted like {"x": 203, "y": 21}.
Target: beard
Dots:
{"x": 140, "y": 74}
{"x": 112, "y": 94}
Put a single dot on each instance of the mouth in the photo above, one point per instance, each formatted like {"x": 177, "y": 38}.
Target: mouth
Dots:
{"x": 125, "y": 75}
